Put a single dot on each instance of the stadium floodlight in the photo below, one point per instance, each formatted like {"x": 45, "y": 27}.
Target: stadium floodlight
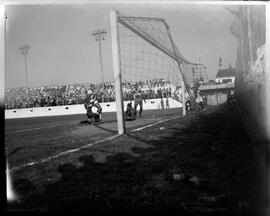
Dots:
{"x": 25, "y": 50}
{"x": 99, "y": 35}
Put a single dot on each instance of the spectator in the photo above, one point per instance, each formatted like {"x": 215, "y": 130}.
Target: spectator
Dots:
{"x": 75, "y": 93}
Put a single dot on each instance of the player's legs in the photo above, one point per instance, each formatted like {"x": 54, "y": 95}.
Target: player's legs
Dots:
{"x": 92, "y": 115}
{"x": 89, "y": 118}
{"x": 135, "y": 107}
{"x": 201, "y": 104}
{"x": 97, "y": 105}
{"x": 97, "y": 118}
{"x": 89, "y": 115}
{"x": 167, "y": 104}
{"x": 141, "y": 107}
{"x": 130, "y": 118}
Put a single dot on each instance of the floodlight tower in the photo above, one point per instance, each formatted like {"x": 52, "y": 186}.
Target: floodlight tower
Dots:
{"x": 99, "y": 35}
{"x": 25, "y": 50}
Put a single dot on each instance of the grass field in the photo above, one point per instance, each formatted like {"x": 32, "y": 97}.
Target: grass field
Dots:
{"x": 200, "y": 162}
{"x": 31, "y": 139}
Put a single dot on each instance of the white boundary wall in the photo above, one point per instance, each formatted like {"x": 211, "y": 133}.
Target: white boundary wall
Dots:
{"x": 79, "y": 109}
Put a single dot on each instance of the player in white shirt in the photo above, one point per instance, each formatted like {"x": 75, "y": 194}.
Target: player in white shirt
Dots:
{"x": 90, "y": 103}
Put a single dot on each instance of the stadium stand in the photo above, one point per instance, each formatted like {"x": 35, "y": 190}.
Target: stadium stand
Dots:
{"x": 44, "y": 96}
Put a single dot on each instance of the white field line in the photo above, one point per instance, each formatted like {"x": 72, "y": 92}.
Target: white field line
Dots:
{"x": 61, "y": 154}
{"x": 150, "y": 125}
{"x": 82, "y": 147}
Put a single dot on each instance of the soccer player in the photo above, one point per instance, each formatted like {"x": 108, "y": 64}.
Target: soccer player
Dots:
{"x": 138, "y": 100}
{"x": 167, "y": 102}
{"x": 188, "y": 104}
{"x": 130, "y": 113}
{"x": 199, "y": 100}
{"x": 162, "y": 103}
{"x": 90, "y": 102}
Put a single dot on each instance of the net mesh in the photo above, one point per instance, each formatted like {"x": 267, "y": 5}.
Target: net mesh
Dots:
{"x": 148, "y": 53}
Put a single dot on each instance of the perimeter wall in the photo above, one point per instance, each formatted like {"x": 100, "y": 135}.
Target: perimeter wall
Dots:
{"x": 79, "y": 109}
{"x": 249, "y": 27}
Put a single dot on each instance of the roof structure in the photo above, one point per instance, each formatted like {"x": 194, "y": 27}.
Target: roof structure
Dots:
{"x": 225, "y": 73}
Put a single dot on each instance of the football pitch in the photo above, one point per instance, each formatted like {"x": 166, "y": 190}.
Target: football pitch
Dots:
{"x": 165, "y": 162}
{"x": 31, "y": 140}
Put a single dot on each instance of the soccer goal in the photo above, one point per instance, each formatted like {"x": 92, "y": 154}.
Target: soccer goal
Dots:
{"x": 145, "y": 56}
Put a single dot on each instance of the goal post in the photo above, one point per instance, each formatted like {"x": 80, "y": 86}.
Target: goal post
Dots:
{"x": 143, "y": 50}
{"x": 117, "y": 74}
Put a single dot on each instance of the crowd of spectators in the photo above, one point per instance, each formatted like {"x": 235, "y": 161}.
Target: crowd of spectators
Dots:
{"x": 75, "y": 93}
{"x": 150, "y": 89}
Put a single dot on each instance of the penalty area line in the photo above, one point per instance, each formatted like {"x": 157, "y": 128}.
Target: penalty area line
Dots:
{"x": 61, "y": 154}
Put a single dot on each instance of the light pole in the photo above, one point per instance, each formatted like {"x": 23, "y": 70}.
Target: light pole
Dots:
{"x": 99, "y": 35}
{"x": 25, "y": 50}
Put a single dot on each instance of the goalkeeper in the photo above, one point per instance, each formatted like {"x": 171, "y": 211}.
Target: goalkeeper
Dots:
{"x": 130, "y": 113}
{"x": 90, "y": 102}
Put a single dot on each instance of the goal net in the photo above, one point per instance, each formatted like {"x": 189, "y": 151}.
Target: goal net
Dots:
{"x": 149, "y": 60}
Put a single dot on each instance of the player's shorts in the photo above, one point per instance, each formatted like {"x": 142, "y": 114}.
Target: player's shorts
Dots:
{"x": 138, "y": 102}
{"x": 90, "y": 115}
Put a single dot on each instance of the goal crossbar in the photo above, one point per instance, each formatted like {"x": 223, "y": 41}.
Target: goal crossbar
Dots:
{"x": 154, "y": 42}
{"x": 153, "y": 32}
{"x": 173, "y": 51}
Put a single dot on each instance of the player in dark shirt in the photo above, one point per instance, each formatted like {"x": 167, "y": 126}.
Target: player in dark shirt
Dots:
{"x": 188, "y": 104}
{"x": 138, "y": 100}
{"x": 130, "y": 113}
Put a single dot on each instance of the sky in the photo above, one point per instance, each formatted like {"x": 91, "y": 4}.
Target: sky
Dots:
{"x": 64, "y": 52}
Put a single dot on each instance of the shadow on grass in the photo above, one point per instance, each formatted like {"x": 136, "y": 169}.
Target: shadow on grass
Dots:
{"x": 213, "y": 146}
{"x": 105, "y": 129}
